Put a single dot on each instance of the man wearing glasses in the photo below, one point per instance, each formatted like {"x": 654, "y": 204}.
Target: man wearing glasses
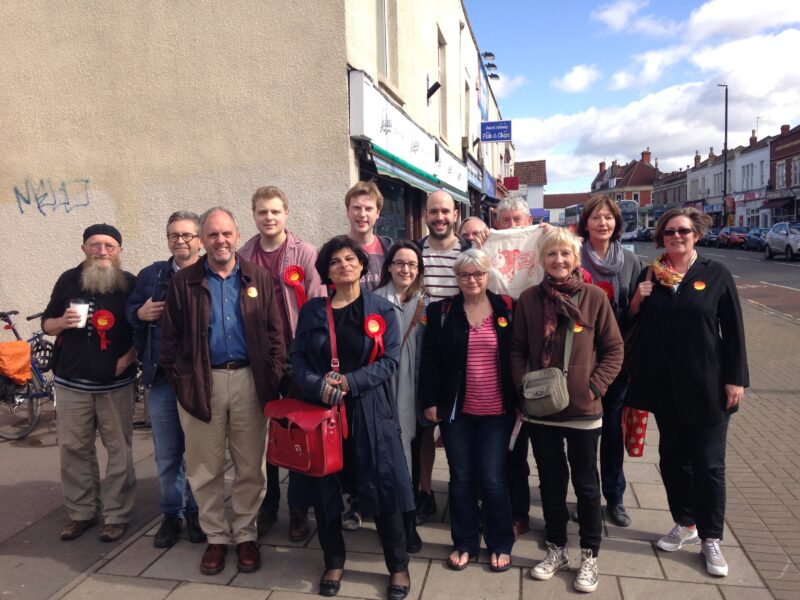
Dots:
{"x": 143, "y": 310}
{"x": 95, "y": 371}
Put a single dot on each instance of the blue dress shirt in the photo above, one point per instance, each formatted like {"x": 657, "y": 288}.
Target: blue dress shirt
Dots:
{"x": 226, "y": 341}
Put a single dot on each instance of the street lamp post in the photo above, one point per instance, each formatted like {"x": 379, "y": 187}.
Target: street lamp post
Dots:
{"x": 725, "y": 156}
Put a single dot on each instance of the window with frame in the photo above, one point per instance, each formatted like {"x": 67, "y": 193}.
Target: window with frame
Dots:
{"x": 780, "y": 175}
{"x": 796, "y": 171}
{"x": 442, "y": 93}
{"x": 386, "y": 39}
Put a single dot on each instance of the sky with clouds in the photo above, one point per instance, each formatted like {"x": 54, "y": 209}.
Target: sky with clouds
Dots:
{"x": 586, "y": 81}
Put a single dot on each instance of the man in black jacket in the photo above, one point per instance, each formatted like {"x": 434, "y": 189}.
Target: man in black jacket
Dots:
{"x": 95, "y": 372}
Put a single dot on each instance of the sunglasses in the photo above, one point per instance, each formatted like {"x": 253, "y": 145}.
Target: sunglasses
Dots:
{"x": 683, "y": 231}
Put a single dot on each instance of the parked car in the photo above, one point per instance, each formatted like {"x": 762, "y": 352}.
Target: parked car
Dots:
{"x": 783, "y": 238}
{"x": 645, "y": 234}
{"x": 755, "y": 239}
{"x": 711, "y": 238}
{"x": 732, "y": 236}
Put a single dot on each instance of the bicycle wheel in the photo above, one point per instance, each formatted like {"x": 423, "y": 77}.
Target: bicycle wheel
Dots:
{"x": 19, "y": 413}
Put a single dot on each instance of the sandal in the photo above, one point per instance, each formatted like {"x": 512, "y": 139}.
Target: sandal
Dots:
{"x": 495, "y": 559}
{"x": 457, "y": 565}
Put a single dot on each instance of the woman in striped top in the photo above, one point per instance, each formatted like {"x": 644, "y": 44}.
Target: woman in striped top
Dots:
{"x": 465, "y": 385}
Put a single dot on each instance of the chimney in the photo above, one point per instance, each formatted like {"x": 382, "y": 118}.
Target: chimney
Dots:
{"x": 785, "y": 129}
{"x": 697, "y": 158}
{"x": 711, "y": 155}
{"x": 753, "y": 139}
{"x": 613, "y": 163}
{"x": 656, "y": 164}
{"x": 602, "y": 166}
{"x": 646, "y": 156}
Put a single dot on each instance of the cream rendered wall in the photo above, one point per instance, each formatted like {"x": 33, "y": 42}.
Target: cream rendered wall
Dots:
{"x": 124, "y": 112}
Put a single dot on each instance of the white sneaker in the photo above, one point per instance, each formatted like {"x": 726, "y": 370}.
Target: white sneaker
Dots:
{"x": 587, "y": 578}
{"x": 557, "y": 558}
{"x": 678, "y": 537}
{"x": 351, "y": 520}
{"x": 715, "y": 562}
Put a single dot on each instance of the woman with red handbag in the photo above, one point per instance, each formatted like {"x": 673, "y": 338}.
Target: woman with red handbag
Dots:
{"x": 346, "y": 350}
{"x": 690, "y": 371}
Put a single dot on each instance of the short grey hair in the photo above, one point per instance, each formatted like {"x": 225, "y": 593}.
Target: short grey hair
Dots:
{"x": 474, "y": 257}
{"x": 513, "y": 203}
{"x": 214, "y": 209}
{"x": 184, "y": 215}
{"x": 472, "y": 218}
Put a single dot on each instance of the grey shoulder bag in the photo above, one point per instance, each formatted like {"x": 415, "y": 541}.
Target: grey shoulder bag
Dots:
{"x": 545, "y": 391}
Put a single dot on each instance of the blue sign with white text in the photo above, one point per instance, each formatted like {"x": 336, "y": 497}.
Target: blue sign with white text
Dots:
{"x": 496, "y": 131}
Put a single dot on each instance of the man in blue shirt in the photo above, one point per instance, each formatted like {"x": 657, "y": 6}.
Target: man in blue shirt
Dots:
{"x": 222, "y": 350}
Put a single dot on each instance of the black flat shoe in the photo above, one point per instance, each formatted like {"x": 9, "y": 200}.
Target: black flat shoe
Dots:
{"x": 329, "y": 587}
{"x": 397, "y": 592}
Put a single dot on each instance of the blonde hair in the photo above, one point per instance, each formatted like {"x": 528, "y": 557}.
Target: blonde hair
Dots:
{"x": 560, "y": 236}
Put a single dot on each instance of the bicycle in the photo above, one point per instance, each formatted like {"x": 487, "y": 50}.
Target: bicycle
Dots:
{"x": 21, "y": 405}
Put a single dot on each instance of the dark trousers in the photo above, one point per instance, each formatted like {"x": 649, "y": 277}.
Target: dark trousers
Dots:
{"x": 390, "y": 531}
{"x": 554, "y": 473}
{"x": 518, "y": 470}
{"x": 612, "y": 448}
{"x": 692, "y": 462}
{"x": 476, "y": 449}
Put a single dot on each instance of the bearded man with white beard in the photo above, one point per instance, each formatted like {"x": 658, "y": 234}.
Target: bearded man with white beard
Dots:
{"x": 95, "y": 371}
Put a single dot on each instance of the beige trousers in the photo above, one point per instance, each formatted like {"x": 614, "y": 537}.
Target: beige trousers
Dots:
{"x": 80, "y": 416}
{"x": 236, "y": 417}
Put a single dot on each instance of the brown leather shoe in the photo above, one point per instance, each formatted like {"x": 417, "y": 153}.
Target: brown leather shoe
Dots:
{"x": 112, "y": 532}
{"x": 249, "y": 557}
{"x": 298, "y": 525}
{"x": 75, "y": 529}
{"x": 213, "y": 559}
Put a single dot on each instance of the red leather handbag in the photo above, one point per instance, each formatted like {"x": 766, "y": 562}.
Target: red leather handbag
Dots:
{"x": 304, "y": 437}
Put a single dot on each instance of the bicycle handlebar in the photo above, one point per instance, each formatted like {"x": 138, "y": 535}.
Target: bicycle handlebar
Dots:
{"x": 36, "y": 316}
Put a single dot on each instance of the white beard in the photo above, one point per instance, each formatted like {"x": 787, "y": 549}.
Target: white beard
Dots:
{"x": 97, "y": 279}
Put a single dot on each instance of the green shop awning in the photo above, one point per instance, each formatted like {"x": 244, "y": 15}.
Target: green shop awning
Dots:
{"x": 393, "y": 166}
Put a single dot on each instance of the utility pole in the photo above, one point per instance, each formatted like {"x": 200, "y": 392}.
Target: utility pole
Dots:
{"x": 725, "y": 156}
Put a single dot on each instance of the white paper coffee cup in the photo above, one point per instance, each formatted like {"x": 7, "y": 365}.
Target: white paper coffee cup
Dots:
{"x": 83, "y": 309}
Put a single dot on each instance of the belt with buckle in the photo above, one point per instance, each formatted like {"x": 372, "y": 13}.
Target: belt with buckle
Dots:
{"x": 232, "y": 365}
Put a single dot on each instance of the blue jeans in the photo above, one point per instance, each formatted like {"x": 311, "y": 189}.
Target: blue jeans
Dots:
{"x": 477, "y": 448}
{"x": 168, "y": 441}
{"x": 612, "y": 448}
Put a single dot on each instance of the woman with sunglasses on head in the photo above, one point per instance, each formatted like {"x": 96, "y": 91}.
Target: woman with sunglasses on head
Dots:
{"x": 401, "y": 284}
{"x": 465, "y": 386}
{"x": 690, "y": 371}
{"x": 346, "y": 350}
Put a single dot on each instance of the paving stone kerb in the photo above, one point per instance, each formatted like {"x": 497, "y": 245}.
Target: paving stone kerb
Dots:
{"x": 762, "y": 536}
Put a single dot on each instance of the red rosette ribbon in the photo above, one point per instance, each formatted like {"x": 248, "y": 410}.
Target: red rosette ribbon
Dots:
{"x": 102, "y": 321}
{"x": 294, "y": 276}
{"x": 375, "y": 327}
{"x": 607, "y": 287}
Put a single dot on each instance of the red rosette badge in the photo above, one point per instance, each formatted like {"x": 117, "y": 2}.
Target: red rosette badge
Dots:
{"x": 375, "y": 327}
{"x": 102, "y": 321}
{"x": 295, "y": 277}
{"x": 608, "y": 288}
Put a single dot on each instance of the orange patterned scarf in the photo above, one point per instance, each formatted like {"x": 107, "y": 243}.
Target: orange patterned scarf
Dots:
{"x": 665, "y": 271}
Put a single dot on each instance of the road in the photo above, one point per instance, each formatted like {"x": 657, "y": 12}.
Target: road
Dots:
{"x": 771, "y": 284}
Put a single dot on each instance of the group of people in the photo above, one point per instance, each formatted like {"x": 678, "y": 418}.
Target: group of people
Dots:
{"x": 408, "y": 338}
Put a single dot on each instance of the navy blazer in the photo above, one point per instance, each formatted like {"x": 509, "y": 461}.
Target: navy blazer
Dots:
{"x": 383, "y": 482}
{"x": 692, "y": 344}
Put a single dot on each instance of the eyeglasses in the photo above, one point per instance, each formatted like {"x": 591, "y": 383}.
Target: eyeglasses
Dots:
{"x": 401, "y": 264}
{"x": 98, "y": 246}
{"x": 683, "y": 231}
{"x": 477, "y": 276}
{"x": 186, "y": 237}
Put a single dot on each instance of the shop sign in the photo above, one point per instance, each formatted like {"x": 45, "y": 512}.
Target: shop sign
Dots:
{"x": 450, "y": 170}
{"x": 729, "y": 204}
{"x": 373, "y": 117}
{"x": 474, "y": 174}
{"x": 496, "y": 131}
{"x": 489, "y": 185}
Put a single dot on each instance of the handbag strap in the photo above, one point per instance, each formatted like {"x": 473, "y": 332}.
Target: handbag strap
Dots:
{"x": 570, "y": 335}
{"x": 335, "y": 365}
{"x": 414, "y": 320}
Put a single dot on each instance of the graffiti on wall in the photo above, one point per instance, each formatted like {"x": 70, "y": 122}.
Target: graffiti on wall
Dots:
{"x": 48, "y": 197}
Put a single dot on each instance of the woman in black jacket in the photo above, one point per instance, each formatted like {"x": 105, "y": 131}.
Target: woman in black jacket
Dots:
{"x": 690, "y": 370}
{"x": 465, "y": 385}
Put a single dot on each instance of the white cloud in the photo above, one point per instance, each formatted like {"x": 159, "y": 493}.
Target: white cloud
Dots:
{"x": 740, "y": 18}
{"x": 617, "y": 15}
{"x": 505, "y": 86}
{"x": 622, "y": 80}
{"x": 577, "y": 79}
